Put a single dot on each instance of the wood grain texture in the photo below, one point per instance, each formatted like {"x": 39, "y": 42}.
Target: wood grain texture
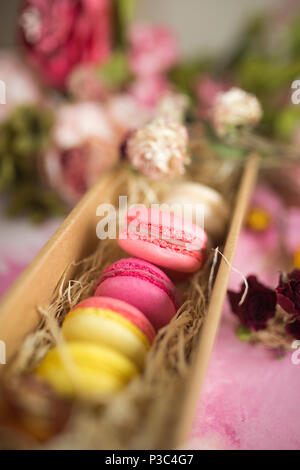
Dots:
{"x": 75, "y": 239}
{"x": 212, "y": 320}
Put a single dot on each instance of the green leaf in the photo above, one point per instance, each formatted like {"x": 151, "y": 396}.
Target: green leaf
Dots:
{"x": 243, "y": 333}
{"x": 227, "y": 152}
{"x": 115, "y": 72}
{"x": 7, "y": 172}
{"x": 294, "y": 37}
{"x": 124, "y": 14}
{"x": 286, "y": 122}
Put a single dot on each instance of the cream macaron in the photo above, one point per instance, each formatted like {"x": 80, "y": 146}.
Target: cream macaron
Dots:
{"x": 202, "y": 204}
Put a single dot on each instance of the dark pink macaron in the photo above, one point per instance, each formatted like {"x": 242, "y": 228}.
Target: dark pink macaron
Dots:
{"x": 142, "y": 285}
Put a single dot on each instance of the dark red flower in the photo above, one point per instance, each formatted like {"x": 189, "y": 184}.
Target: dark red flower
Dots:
{"x": 293, "y": 328}
{"x": 258, "y": 307}
{"x": 60, "y": 34}
{"x": 288, "y": 293}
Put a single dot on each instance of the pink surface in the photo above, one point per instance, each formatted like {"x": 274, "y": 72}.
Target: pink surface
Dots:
{"x": 143, "y": 285}
{"x": 163, "y": 239}
{"x": 250, "y": 398}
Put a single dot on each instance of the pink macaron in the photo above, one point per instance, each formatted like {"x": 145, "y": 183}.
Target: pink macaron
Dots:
{"x": 164, "y": 239}
{"x": 142, "y": 285}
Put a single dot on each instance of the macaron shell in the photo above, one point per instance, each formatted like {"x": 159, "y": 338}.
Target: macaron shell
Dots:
{"x": 215, "y": 211}
{"x": 152, "y": 301}
{"x": 124, "y": 309}
{"x": 88, "y": 384}
{"x": 85, "y": 369}
{"x": 109, "y": 329}
{"x": 143, "y": 285}
{"x": 164, "y": 239}
{"x": 162, "y": 256}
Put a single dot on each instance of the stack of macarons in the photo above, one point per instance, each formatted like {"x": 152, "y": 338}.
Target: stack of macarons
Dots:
{"x": 107, "y": 336}
{"x": 106, "y": 341}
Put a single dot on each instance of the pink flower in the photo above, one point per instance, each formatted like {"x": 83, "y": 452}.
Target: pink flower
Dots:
{"x": 292, "y": 230}
{"x": 78, "y": 122}
{"x": 264, "y": 198}
{"x": 84, "y": 85}
{"x": 125, "y": 113}
{"x": 172, "y": 106}
{"x": 264, "y": 217}
{"x": 59, "y": 34}
{"x": 149, "y": 90}
{"x": 84, "y": 145}
{"x": 207, "y": 90}
{"x": 153, "y": 50}
{"x": 72, "y": 171}
{"x": 20, "y": 85}
{"x": 159, "y": 149}
{"x": 235, "y": 109}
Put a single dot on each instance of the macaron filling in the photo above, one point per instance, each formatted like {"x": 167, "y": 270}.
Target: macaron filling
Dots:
{"x": 174, "y": 240}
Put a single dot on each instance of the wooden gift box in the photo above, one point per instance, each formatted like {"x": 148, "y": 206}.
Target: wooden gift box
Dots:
{"x": 76, "y": 239}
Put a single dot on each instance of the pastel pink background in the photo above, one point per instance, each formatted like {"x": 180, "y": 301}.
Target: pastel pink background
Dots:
{"x": 250, "y": 398}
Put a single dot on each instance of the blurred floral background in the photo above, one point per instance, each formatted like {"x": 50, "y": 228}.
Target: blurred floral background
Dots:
{"x": 84, "y": 78}
{"x": 89, "y": 83}
{"x": 80, "y": 75}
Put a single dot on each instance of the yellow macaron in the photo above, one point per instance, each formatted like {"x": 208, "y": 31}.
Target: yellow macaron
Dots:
{"x": 112, "y": 323}
{"x": 86, "y": 369}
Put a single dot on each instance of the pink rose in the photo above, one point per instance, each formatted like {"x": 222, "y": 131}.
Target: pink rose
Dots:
{"x": 153, "y": 50}
{"x": 59, "y": 34}
{"x": 76, "y": 122}
{"x": 149, "y": 90}
{"x": 159, "y": 149}
{"x": 71, "y": 172}
{"x": 84, "y": 145}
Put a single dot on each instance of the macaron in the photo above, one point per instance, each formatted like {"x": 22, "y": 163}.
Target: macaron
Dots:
{"x": 113, "y": 323}
{"x": 201, "y": 204}
{"x": 142, "y": 285}
{"x": 163, "y": 238}
{"x": 86, "y": 370}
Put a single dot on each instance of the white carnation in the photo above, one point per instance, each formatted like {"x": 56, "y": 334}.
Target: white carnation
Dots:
{"x": 235, "y": 108}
